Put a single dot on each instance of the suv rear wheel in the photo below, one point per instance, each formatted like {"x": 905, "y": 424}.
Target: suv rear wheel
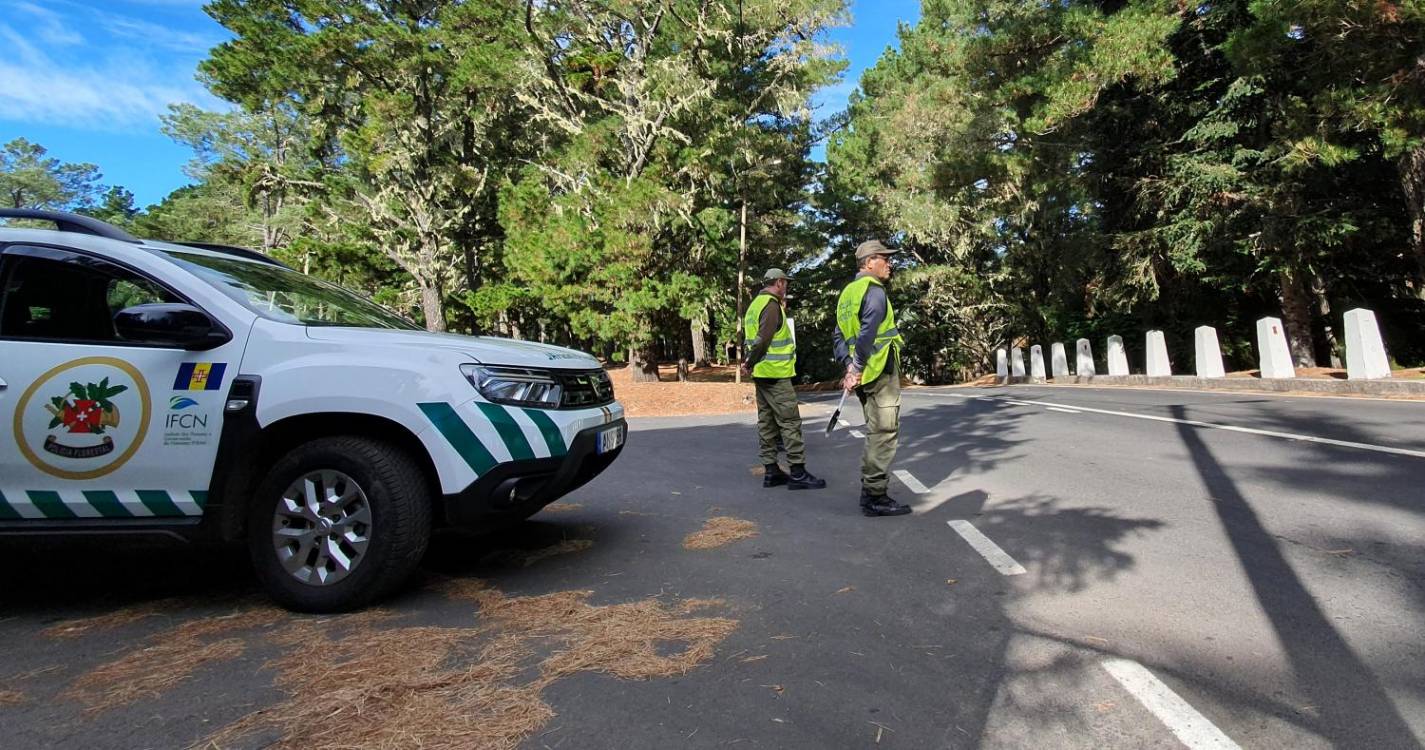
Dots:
{"x": 338, "y": 522}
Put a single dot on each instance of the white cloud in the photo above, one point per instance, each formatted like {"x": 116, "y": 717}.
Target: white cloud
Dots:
{"x": 118, "y": 92}
{"x": 49, "y": 26}
{"x": 170, "y": 3}
{"x": 156, "y": 35}
{"x": 57, "y": 24}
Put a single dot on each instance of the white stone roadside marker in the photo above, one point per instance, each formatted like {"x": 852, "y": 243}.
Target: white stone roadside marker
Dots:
{"x": 1084, "y": 365}
{"x": 1365, "y": 352}
{"x": 1157, "y": 364}
{"x": 1036, "y": 363}
{"x": 1001, "y": 365}
{"x": 1060, "y": 364}
{"x": 1207, "y": 354}
{"x": 1273, "y": 351}
{"x": 1016, "y": 362}
{"x": 1117, "y": 358}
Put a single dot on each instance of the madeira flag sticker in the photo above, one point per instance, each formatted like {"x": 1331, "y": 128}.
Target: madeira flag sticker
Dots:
{"x": 199, "y": 376}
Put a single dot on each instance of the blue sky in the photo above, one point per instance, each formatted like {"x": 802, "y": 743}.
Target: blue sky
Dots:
{"x": 88, "y": 79}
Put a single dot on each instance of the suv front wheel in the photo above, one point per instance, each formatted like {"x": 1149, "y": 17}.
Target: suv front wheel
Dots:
{"x": 338, "y": 522}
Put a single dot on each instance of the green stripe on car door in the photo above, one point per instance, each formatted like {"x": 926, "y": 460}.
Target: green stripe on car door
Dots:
{"x": 50, "y": 504}
{"x": 8, "y": 512}
{"x": 509, "y": 430}
{"x": 458, "y": 434}
{"x": 159, "y": 502}
{"x": 107, "y": 503}
{"x": 549, "y": 430}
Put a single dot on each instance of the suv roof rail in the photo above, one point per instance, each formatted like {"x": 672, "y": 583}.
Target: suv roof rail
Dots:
{"x": 239, "y": 252}
{"x": 65, "y": 221}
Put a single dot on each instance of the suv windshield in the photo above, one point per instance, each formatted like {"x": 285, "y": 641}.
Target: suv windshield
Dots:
{"x": 287, "y": 296}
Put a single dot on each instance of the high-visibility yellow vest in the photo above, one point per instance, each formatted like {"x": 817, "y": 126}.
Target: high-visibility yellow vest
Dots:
{"x": 781, "y": 358}
{"x": 848, "y": 319}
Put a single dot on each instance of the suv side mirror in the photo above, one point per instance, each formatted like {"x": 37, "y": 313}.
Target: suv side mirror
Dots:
{"x": 170, "y": 324}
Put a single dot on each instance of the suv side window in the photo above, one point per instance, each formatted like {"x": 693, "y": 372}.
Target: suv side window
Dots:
{"x": 69, "y": 297}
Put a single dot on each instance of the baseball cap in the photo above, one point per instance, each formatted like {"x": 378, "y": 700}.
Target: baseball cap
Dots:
{"x": 773, "y": 274}
{"x": 872, "y": 247}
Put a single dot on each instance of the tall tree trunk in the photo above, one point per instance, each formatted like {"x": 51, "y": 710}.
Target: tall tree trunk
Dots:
{"x": 698, "y": 326}
{"x": 1412, "y": 181}
{"x": 1323, "y": 308}
{"x": 1296, "y": 316}
{"x": 643, "y": 363}
{"x": 741, "y": 282}
{"x": 433, "y": 305}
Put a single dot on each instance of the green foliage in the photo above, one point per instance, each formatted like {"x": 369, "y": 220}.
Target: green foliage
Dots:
{"x": 1113, "y": 167}
{"x": 665, "y": 120}
{"x": 30, "y": 179}
{"x": 585, "y": 171}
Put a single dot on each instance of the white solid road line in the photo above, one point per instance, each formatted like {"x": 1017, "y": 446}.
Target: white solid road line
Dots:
{"x": 1232, "y": 428}
{"x": 857, "y": 434}
{"x": 1191, "y": 727}
{"x": 1210, "y": 426}
{"x": 987, "y": 549}
{"x": 910, "y": 481}
{"x": 1062, "y": 409}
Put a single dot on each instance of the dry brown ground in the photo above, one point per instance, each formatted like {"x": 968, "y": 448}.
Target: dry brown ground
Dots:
{"x": 376, "y": 680}
{"x": 710, "y": 390}
{"x": 1331, "y": 373}
{"x": 719, "y": 532}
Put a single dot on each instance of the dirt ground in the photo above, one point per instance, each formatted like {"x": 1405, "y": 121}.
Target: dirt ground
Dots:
{"x": 712, "y": 389}
{"x": 709, "y": 390}
{"x": 1331, "y": 373}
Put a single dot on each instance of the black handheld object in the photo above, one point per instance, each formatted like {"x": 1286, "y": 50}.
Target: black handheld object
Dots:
{"x": 831, "y": 425}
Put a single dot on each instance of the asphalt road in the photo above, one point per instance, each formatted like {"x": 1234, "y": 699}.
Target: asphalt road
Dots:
{"x": 1195, "y": 569}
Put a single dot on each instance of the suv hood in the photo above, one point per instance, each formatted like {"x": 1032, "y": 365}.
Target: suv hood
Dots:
{"x": 488, "y": 350}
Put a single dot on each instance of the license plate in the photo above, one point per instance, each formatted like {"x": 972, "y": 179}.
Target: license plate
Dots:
{"x": 610, "y": 439}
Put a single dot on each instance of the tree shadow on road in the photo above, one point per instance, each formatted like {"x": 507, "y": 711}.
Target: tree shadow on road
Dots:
{"x": 973, "y": 436}
{"x": 1064, "y": 550}
{"x": 1354, "y": 709}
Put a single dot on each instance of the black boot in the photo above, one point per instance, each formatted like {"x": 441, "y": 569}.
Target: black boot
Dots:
{"x": 802, "y": 479}
{"x": 881, "y": 505}
{"x": 773, "y": 476}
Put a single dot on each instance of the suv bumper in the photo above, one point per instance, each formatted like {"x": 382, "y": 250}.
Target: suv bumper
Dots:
{"x": 518, "y": 489}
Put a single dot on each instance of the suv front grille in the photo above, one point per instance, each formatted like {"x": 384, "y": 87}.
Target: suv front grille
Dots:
{"x": 585, "y": 388}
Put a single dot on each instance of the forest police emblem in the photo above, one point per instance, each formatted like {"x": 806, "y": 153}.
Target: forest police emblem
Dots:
{"x": 83, "y": 419}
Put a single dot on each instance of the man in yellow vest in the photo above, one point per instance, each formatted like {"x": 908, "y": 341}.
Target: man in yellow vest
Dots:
{"x": 772, "y": 362}
{"x": 868, "y": 344}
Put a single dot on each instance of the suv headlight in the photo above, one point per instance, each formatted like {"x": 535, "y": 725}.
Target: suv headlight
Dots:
{"x": 516, "y": 386}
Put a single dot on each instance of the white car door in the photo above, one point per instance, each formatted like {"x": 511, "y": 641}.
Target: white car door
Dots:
{"x": 100, "y": 427}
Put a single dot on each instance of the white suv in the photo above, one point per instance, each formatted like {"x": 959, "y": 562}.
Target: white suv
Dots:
{"x": 207, "y": 392}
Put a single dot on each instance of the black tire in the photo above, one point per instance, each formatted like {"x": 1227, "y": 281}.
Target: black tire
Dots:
{"x": 400, "y": 508}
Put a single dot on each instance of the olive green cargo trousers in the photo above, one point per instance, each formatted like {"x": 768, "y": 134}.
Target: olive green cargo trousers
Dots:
{"x": 881, "y": 402}
{"x": 778, "y": 414}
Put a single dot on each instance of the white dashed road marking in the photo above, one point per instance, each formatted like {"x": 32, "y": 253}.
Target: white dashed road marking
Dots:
{"x": 987, "y": 549}
{"x": 858, "y": 434}
{"x": 1183, "y": 720}
{"x": 910, "y": 481}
